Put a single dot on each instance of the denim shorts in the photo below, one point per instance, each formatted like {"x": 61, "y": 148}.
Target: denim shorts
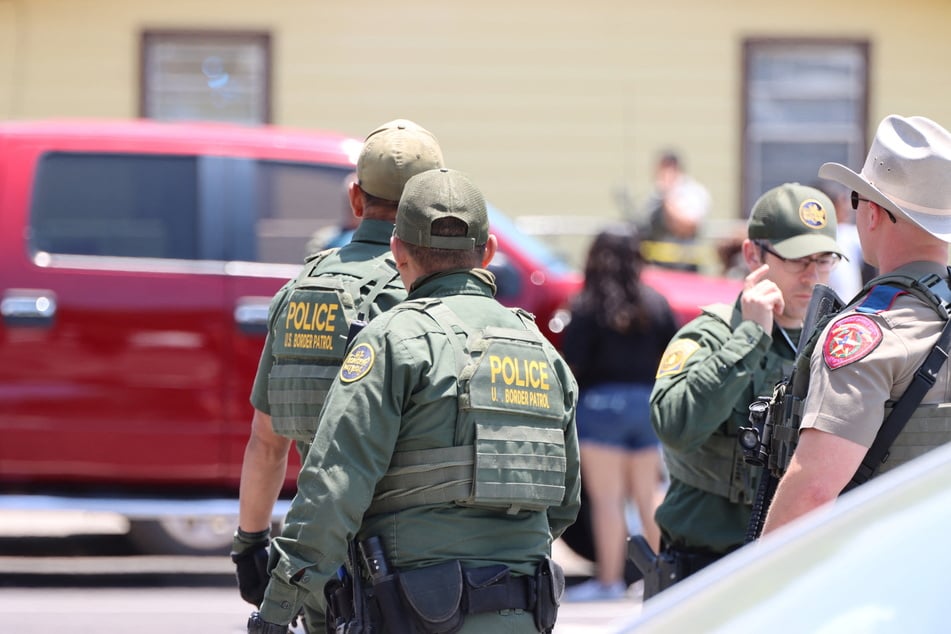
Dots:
{"x": 616, "y": 414}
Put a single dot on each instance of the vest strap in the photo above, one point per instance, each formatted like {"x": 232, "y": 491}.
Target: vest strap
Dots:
{"x": 924, "y": 379}
{"x": 936, "y": 291}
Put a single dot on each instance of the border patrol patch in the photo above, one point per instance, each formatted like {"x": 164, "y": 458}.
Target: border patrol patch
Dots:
{"x": 357, "y": 363}
{"x": 675, "y": 357}
{"x": 813, "y": 214}
{"x": 850, "y": 338}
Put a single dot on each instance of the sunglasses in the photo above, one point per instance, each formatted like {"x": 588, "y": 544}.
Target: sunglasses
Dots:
{"x": 855, "y": 205}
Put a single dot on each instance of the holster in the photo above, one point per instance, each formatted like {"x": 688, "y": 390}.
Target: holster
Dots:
{"x": 667, "y": 570}
{"x": 388, "y": 599}
{"x": 664, "y": 569}
{"x": 339, "y": 596}
{"x": 654, "y": 569}
{"x": 549, "y": 589}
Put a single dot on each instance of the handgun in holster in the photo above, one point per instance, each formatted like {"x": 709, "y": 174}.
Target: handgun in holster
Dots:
{"x": 660, "y": 571}
{"x": 347, "y": 607}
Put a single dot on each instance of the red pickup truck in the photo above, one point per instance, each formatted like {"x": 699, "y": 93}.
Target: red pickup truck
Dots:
{"x": 137, "y": 260}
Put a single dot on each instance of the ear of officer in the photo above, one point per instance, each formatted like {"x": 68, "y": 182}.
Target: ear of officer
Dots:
{"x": 423, "y": 215}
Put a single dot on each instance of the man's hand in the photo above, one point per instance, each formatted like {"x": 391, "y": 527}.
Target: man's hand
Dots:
{"x": 249, "y": 553}
{"x": 761, "y": 300}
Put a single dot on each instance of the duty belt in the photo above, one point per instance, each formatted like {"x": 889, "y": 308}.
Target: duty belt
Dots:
{"x": 512, "y": 593}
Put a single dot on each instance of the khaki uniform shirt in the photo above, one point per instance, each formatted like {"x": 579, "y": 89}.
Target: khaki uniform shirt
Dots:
{"x": 865, "y": 359}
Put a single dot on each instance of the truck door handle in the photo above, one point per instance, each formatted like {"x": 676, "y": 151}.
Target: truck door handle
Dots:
{"x": 250, "y": 314}
{"x": 28, "y": 307}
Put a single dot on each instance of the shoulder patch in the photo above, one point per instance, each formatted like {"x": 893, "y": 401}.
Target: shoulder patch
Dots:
{"x": 675, "y": 356}
{"x": 849, "y": 339}
{"x": 357, "y": 363}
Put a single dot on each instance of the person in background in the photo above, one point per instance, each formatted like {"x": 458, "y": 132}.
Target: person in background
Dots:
{"x": 847, "y": 278}
{"x": 447, "y": 439}
{"x": 614, "y": 342}
{"x": 292, "y": 380}
{"x": 874, "y": 350}
{"x": 722, "y": 361}
{"x": 338, "y": 235}
{"x": 675, "y": 211}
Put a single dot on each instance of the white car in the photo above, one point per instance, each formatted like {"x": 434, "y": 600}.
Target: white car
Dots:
{"x": 875, "y": 561}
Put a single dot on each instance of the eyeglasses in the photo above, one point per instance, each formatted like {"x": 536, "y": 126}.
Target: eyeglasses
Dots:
{"x": 824, "y": 263}
{"x": 855, "y": 205}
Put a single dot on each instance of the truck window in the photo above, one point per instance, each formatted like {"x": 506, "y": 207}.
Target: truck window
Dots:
{"x": 293, "y": 201}
{"x": 183, "y": 207}
{"x": 116, "y": 205}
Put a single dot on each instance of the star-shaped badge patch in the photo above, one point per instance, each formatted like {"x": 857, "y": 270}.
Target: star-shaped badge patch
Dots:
{"x": 850, "y": 339}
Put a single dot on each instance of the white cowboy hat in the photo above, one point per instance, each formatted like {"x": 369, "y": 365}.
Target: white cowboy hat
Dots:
{"x": 907, "y": 171}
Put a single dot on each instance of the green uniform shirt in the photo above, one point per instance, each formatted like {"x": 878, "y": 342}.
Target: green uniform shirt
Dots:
{"x": 404, "y": 397}
{"x": 711, "y": 372}
{"x": 368, "y": 248}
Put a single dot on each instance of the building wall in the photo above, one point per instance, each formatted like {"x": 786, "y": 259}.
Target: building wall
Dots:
{"x": 549, "y": 106}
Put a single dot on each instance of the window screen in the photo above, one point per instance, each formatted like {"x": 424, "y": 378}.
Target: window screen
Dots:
{"x": 206, "y": 75}
{"x": 806, "y": 104}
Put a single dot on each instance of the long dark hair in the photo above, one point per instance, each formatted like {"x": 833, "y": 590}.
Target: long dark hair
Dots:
{"x": 612, "y": 281}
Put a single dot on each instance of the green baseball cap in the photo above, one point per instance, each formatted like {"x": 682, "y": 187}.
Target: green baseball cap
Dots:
{"x": 796, "y": 220}
{"x": 441, "y": 193}
{"x": 394, "y": 152}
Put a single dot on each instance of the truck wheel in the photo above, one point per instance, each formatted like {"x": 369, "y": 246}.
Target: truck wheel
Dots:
{"x": 200, "y": 535}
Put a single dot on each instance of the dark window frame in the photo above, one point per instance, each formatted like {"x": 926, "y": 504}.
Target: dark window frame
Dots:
{"x": 149, "y": 37}
{"x": 750, "y": 47}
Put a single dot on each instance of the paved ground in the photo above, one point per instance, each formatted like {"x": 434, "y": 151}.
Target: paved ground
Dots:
{"x": 65, "y": 572}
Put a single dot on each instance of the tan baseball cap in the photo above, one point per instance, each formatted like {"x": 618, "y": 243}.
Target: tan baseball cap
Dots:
{"x": 796, "y": 220}
{"x": 437, "y": 194}
{"x": 392, "y": 154}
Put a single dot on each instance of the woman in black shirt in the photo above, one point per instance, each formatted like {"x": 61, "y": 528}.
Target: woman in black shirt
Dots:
{"x": 618, "y": 332}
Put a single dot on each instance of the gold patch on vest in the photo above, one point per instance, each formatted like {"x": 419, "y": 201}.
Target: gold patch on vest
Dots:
{"x": 675, "y": 357}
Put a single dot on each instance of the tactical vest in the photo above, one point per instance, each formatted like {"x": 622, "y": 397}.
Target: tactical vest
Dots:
{"x": 310, "y": 335}
{"x": 705, "y": 467}
{"x": 509, "y": 451}
{"x": 928, "y": 427}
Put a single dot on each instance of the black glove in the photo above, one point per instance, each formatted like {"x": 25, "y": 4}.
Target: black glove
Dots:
{"x": 257, "y": 625}
{"x": 249, "y": 553}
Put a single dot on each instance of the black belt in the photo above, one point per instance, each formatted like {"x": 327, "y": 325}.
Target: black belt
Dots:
{"x": 692, "y": 560}
{"x": 511, "y": 593}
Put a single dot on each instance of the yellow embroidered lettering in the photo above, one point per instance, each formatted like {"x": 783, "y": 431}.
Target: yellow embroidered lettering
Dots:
{"x": 292, "y": 309}
{"x": 495, "y": 367}
{"x": 309, "y": 316}
{"x": 509, "y": 370}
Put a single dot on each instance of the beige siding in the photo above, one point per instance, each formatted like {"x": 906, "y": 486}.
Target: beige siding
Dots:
{"x": 9, "y": 78}
{"x": 547, "y": 105}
